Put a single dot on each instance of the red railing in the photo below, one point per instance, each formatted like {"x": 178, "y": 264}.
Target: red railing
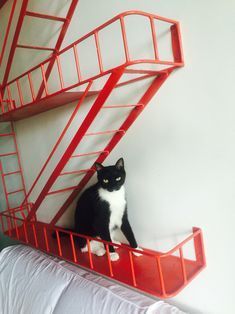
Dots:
{"x": 15, "y": 44}
{"x": 18, "y": 99}
{"x": 164, "y": 281}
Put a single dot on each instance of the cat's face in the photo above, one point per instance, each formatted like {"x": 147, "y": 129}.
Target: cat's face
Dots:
{"x": 111, "y": 178}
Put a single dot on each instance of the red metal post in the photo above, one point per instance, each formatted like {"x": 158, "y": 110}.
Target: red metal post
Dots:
{"x": 109, "y": 260}
{"x": 159, "y": 267}
{"x": 132, "y": 269}
{"x": 154, "y": 37}
{"x": 73, "y": 248}
{"x": 46, "y": 238}
{"x": 183, "y": 265}
{"x": 89, "y": 253}
{"x": 35, "y": 236}
{"x": 199, "y": 247}
{"x": 123, "y": 29}
{"x": 176, "y": 43}
{"x": 4, "y": 186}
{"x": 98, "y": 52}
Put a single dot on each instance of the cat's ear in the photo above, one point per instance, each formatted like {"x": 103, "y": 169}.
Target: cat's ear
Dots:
{"x": 98, "y": 166}
{"x": 120, "y": 164}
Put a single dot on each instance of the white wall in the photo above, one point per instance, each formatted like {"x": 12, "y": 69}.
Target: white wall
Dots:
{"x": 179, "y": 154}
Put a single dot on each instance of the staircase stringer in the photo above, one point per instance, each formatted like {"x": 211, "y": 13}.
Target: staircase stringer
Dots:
{"x": 145, "y": 99}
{"x": 68, "y": 124}
{"x": 100, "y": 100}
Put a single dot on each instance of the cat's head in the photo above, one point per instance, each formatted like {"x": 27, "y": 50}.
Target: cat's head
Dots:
{"x": 111, "y": 178}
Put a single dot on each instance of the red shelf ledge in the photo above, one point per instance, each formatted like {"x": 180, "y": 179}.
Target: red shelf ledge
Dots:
{"x": 160, "y": 274}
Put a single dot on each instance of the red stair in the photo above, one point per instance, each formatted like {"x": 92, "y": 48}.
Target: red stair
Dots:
{"x": 65, "y": 21}
{"x": 6, "y": 35}
{"x": 161, "y": 274}
{"x": 8, "y": 138}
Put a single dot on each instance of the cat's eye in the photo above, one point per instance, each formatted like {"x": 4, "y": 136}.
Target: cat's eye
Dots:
{"x": 118, "y": 179}
{"x": 105, "y": 180}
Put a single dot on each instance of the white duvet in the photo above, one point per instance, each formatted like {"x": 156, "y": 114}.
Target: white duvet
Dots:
{"x": 34, "y": 283}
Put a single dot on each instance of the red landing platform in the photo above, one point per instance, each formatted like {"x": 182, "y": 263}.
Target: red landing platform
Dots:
{"x": 45, "y": 104}
{"x": 160, "y": 274}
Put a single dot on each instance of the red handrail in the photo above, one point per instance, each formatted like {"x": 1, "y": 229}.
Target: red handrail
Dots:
{"x": 176, "y": 46}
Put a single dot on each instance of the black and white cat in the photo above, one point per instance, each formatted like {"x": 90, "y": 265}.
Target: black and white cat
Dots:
{"x": 102, "y": 209}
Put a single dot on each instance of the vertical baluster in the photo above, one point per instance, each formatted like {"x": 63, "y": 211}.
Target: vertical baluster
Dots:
{"x": 73, "y": 248}
{"x": 25, "y": 233}
{"x": 109, "y": 260}
{"x": 58, "y": 242}
{"x": 60, "y": 72}
{"x": 35, "y": 236}
{"x": 161, "y": 276}
{"x": 123, "y": 29}
{"x": 89, "y": 253}
{"x": 1, "y": 102}
{"x": 154, "y": 37}
{"x": 20, "y": 93}
{"x": 132, "y": 269}
{"x": 183, "y": 265}
{"x": 77, "y": 63}
{"x": 15, "y": 225}
{"x": 31, "y": 86}
{"x": 98, "y": 52}
{"x": 46, "y": 238}
{"x": 10, "y": 98}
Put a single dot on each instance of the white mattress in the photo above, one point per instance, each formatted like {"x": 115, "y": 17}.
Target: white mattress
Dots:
{"x": 34, "y": 283}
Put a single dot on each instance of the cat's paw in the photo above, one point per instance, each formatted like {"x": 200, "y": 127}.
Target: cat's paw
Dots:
{"x": 84, "y": 249}
{"x": 117, "y": 242}
{"x": 138, "y": 254}
{"x": 100, "y": 252}
{"x": 114, "y": 256}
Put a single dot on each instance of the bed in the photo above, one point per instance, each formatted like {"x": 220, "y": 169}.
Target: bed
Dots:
{"x": 35, "y": 283}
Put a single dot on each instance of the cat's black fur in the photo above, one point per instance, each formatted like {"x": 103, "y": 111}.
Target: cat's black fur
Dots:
{"x": 92, "y": 215}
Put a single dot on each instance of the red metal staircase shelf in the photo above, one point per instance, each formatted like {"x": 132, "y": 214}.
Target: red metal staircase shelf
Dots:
{"x": 161, "y": 274}
{"x": 15, "y": 107}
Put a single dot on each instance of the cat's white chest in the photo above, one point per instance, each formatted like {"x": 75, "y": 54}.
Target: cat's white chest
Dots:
{"x": 117, "y": 204}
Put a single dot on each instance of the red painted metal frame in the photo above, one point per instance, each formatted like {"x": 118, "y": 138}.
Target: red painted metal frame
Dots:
{"x": 112, "y": 82}
{"x": 7, "y": 30}
{"x": 160, "y": 274}
{"x": 49, "y": 62}
{"x": 23, "y": 14}
{"x": 157, "y": 273}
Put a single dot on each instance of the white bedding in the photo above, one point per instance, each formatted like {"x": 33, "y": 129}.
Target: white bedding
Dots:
{"x": 34, "y": 283}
